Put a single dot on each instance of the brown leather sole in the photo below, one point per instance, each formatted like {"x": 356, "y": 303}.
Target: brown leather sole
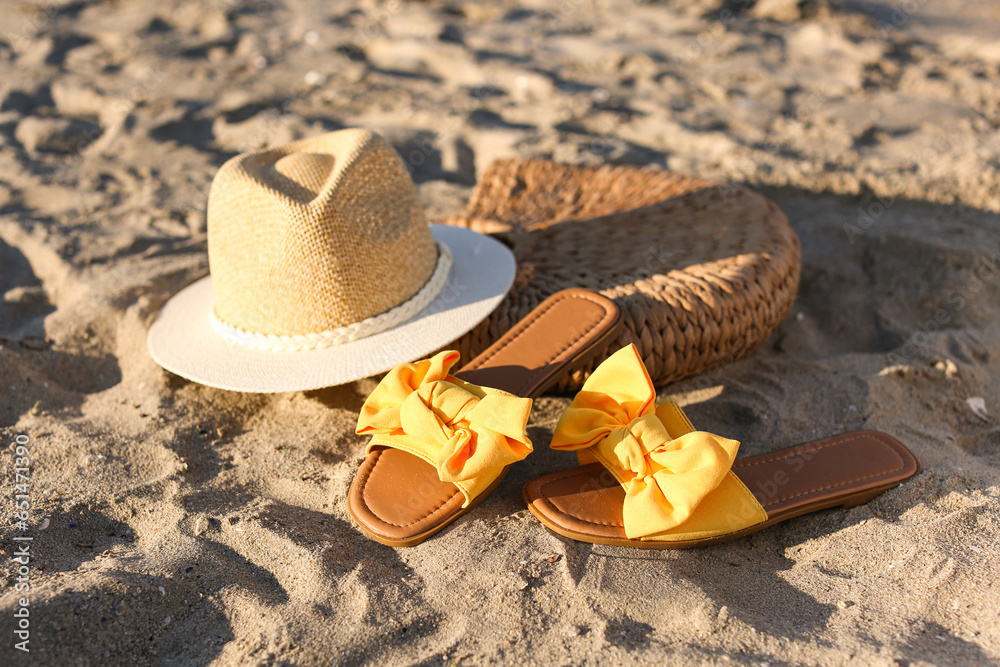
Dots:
{"x": 440, "y": 517}
{"x": 397, "y": 499}
{"x": 585, "y": 503}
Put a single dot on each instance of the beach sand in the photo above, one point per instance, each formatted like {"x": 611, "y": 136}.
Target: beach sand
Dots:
{"x": 187, "y": 525}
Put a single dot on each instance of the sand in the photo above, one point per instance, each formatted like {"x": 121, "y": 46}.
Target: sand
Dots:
{"x": 178, "y": 524}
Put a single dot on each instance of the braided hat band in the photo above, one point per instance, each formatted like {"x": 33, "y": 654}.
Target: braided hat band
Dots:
{"x": 351, "y": 332}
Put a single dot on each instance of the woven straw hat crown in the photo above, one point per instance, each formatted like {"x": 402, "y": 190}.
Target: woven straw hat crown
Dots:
{"x": 318, "y": 238}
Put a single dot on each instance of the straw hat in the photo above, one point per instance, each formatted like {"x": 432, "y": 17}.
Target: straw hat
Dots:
{"x": 323, "y": 271}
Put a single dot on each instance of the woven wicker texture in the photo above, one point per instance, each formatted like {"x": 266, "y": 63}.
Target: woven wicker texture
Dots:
{"x": 320, "y": 234}
{"x": 703, "y": 273}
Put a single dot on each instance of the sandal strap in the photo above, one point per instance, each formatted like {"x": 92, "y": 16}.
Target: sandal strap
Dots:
{"x": 468, "y": 433}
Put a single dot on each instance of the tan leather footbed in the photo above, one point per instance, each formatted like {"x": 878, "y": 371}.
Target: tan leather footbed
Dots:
{"x": 397, "y": 498}
{"x": 586, "y": 502}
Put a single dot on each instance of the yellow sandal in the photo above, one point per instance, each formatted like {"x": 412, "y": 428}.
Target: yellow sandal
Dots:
{"x": 648, "y": 479}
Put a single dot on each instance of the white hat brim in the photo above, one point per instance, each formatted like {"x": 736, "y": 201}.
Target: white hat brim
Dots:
{"x": 182, "y": 339}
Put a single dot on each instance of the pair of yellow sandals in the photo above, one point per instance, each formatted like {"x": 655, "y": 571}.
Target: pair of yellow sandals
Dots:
{"x": 442, "y": 442}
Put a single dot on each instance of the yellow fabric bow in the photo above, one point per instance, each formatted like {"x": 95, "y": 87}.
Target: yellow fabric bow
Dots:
{"x": 468, "y": 433}
{"x": 678, "y": 484}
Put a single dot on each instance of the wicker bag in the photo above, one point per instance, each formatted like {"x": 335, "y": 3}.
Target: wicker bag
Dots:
{"x": 703, "y": 272}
